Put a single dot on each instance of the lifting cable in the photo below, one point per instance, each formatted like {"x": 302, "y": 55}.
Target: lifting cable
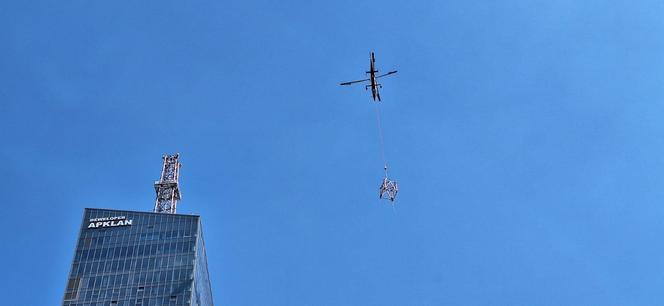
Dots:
{"x": 388, "y": 188}
{"x": 380, "y": 138}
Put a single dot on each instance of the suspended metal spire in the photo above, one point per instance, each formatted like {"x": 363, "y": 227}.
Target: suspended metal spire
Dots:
{"x": 167, "y": 187}
{"x": 388, "y": 188}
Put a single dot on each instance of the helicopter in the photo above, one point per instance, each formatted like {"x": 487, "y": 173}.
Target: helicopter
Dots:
{"x": 373, "y": 79}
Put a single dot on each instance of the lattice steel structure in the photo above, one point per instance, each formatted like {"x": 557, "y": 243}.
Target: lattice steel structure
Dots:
{"x": 388, "y": 188}
{"x": 168, "y": 187}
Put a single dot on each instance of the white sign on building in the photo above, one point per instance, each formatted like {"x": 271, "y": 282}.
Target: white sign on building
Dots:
{"x": 109, "y": 222}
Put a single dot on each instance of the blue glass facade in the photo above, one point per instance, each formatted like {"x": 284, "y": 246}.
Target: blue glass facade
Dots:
{"x": 138, "y": 258}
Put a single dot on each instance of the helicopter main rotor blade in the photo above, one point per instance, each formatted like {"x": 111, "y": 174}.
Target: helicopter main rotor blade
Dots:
{"x": 382, "y": 75}
{"x": 353, "y": 82}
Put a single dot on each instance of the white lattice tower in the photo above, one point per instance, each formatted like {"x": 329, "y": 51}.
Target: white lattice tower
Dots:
{"x": 168, "y": 187}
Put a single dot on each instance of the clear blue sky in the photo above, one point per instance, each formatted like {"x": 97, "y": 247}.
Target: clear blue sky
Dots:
{"x": 526, "y": 136}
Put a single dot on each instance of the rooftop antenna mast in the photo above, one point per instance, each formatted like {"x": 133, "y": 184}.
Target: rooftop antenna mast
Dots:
{"x": 168, "y": 187}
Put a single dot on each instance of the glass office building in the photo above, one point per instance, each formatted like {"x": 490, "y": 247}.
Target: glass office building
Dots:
{"x": 138, "y": 258}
